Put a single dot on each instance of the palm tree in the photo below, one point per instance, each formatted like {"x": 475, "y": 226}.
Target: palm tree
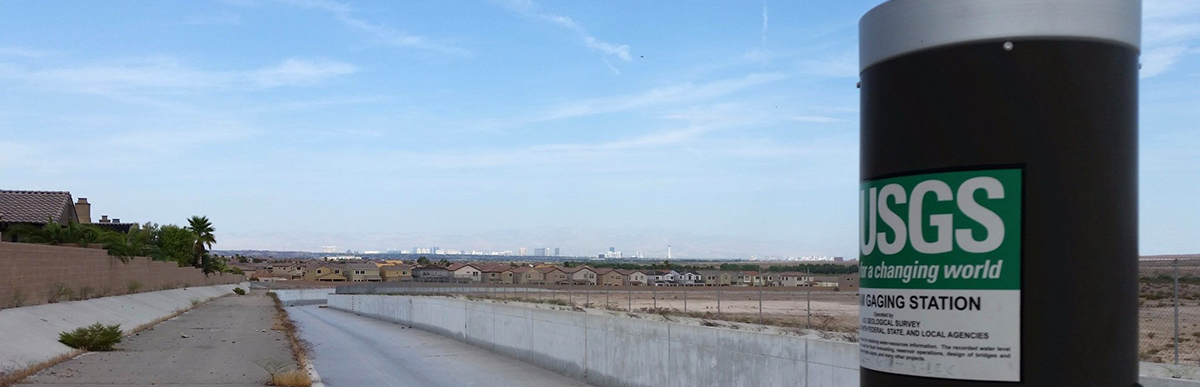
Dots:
{"x": 53, "y": 233}
{"x": 203, "y": 229}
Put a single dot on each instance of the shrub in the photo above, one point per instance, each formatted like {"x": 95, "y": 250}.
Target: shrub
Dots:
{"x": 17, "y": 299}
{"x": 86, "y": 292}
{"x": 59, "y": 292}
{"x": 239, "y": 291}
{"x": 95, "y": 337}
{"x": 133, "y": 287}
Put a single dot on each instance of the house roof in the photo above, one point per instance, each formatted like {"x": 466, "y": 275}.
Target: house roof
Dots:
{"x": 459, "y": 265}
{"x": 572, "y": 270}
{"x": 361, "y": 266}
{"x": 604, "y": 270}
{"x": 523, "y": 269}
{"x": 36, "y": 206}
{"x": 629, "y": 272}
{"x": 548, "y": 269}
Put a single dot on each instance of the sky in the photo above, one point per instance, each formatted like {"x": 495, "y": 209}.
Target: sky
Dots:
{"x": 723, "y": 128}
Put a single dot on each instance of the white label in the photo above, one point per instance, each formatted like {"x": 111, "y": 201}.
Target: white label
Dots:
{"x": 951, "y": 334}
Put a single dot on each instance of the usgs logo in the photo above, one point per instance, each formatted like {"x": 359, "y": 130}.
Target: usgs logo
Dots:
{"x": 879, "y": 201}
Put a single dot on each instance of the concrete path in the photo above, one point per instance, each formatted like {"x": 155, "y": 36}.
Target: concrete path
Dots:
{"x": 225, "y": 339}
{"x": 353, "y": 351}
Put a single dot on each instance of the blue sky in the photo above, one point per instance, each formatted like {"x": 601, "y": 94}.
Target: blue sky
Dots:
{"x": 723, "y": 128}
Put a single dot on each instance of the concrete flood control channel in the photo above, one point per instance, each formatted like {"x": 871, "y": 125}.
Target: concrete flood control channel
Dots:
{"x": 224, "y": 339}
{"x": 606, "y": 349}
{"x": 350, "y": 351}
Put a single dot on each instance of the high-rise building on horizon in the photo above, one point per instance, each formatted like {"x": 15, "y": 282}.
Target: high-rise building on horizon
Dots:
{"x": 556, "y": 252}
{"x": 522, "y": 251}
{"x": 541, "y": 251}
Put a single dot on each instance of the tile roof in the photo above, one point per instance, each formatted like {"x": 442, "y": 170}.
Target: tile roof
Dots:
{"x": 35, "y": 206}
{"x": 362, "y": 266}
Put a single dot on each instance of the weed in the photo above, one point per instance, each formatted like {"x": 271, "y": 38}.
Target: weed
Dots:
{"x": 196, "y": 302}
{"x": 17, "y": 299}
{"x": 95, "y": 337}
{"x": 239, "y": 291}
{"x": 85, "y": 293}
{"x": 133, "y": 287}
{"x": 59, "y": 292}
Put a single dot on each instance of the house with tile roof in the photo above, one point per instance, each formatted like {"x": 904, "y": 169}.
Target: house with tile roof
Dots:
{"x": 581, "y": 275}
{"x": 465, "y": 272}
{"x": 528, "y": 276}
{"x": 396, "y": 273}
{"x": 553, "y": 275}
{"x": 35, "y": 208}
{"x": 496, "y": 273}
{"x": 635, "y": 277}
{"x": 324, "y": 272}
{"x": 363, "y": 272}
{"x": 610, "y": 277}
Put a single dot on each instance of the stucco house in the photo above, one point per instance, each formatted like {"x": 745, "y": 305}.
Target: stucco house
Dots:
{"x": 690, "y": 278}
{"x": 324, "y": 272}
{"x": 528, "y": 276}
{"x": 396, "y": 273}
{"x": 431, "y": 273}
{"x": 610, "y": 277}
{"x": 792, "y": 278}
{"x": 635, "y": 277}
{"x": 363, "y": 272}
{"x": 582, "y": 275}
{"x": 466, "y": 272}
{"x": 553, "y": 275}
{"x": 496, "y": 273}
{"x": 716, "y": 277}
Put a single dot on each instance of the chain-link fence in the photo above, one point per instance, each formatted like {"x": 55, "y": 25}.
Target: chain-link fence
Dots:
{"x": 819, "y": 308}
{"x": 1169, "y": 310}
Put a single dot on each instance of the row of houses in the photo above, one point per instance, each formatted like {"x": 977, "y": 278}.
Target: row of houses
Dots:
{"x": 500, "y": 273}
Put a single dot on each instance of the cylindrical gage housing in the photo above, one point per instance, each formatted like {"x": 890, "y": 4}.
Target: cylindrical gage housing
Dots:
{"x": 998, "y": 238}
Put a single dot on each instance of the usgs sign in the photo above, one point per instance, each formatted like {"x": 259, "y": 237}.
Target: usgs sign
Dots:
{"x": 940, "y": 267}
{"x": 949, "y": 196}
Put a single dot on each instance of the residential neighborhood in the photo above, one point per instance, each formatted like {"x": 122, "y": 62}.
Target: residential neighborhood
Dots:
{"x": 528, "y": 274}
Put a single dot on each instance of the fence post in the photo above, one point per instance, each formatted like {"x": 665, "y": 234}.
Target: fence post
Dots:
{"x": 685, "y": 301}
{"x": 654, "y": 296}
{"x": 630, "y": 300}
{"x": 718, "y": 299}
{"x": 1176, "y": 294}
{"x": 808, "y": 299}
{"x": 606, "y": 298}
{"x": 760, "y": 313}
{"x": 587, "y": 298}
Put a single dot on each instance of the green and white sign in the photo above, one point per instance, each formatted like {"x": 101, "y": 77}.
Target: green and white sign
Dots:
{"x": 940, "y": 271}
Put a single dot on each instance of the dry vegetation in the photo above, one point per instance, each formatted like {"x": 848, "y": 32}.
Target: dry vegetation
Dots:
{"x": 293, "y": 375}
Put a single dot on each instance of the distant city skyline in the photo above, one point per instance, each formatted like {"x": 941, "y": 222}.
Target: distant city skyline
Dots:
{"x": 726, "y": 129}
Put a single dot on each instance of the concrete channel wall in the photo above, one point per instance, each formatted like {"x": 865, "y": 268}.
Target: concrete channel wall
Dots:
{"x": 611, "y": 351}
{"x": 29, "y": 335}
{"x": 298, "y": 297}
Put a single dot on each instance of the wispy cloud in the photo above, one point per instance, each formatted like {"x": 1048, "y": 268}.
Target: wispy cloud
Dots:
{"x": 160, "y": 74}
{"x": 764, "y": 27}
{"x": 1170, "y": 31}
{"x": 23, "y": 52}
{"x": 382, "y": 33}
{"x": 301, "y": 72}
{"x": 206, "y": 20}
{"x": 682, "y": 93}
{"x": 529, "y": 9}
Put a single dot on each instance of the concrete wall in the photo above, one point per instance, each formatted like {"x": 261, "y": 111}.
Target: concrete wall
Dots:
{"x": 297, "y": 297}
{"x": 28, "y": 272}
{"x": 612, "y": 351}
{"x": 30, "y": 334}
{"x": 620, "y": 351}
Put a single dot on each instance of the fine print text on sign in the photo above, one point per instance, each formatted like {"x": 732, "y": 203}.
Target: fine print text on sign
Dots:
{"x": 940, "y": 270}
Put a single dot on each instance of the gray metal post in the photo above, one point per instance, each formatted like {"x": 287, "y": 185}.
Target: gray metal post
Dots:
{"x": 654, "y": 296}
{"x": 587, "y": 297}
{"x": 969, "y": 111}
{"x": 1176, "y": 295}
{"x": 718, "y": 299}
{"x": 760, "y": 313}
{"x": 630, "y": 300}
{"x": 808, "y": 299}
{"x": 606, "y": 298}
{"x": 685, "y": 301}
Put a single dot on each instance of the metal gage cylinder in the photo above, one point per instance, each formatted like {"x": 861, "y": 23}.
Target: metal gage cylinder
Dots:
{"x": 998, "y": 201}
